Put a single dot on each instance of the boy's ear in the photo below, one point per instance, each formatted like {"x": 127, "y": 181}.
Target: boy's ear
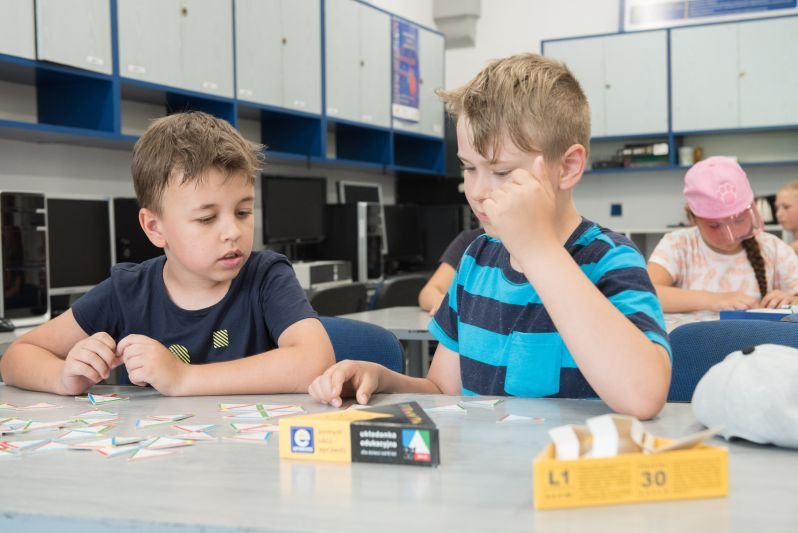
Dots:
{"x": 572, "y": 166}
{"x": 151, "y": 225}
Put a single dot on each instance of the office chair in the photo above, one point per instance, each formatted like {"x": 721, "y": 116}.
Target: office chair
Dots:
{"x": 353, "y": 339}
{"x": 340, "y": 299}
{"x": 700, "y": 345}
{"x": 399, "y": 291}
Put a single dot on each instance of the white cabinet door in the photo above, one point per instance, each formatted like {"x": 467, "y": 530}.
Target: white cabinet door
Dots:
{"x": 375, "y": 71}
{"x": 149, "y": 40}
{"x": 259, "y": 49}
{"x": 768, "y": 72}
{"x": 75, "y": 33}
{"x": 207, "y": 46}
{"x": 301, "y": 66}
{"x": 636, "y": 77}
{"x": 585, "y": 59}
{"x": 17, "y": 34}
{"x": 704, "y": 78}
{"x": 431, "y": 53}
{"x": 342, "y": 59}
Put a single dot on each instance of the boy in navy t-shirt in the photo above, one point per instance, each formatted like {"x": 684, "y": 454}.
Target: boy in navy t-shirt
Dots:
{"x": 210, "y": 316}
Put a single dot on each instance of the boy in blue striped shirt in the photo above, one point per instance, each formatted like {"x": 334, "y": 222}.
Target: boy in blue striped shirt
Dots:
{"x": 546, "y": 303}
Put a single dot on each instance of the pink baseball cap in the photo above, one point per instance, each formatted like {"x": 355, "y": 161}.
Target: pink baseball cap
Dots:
{"x": 717, "y": 187}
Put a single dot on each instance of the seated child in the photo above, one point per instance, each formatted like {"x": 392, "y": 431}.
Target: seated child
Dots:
{"x": 432, "y": 293}
{"x": 210, "y": 316}
{"x": 546, "y": 303}
{"x": 787, "y": 210}
{"x": 723, "y": 261}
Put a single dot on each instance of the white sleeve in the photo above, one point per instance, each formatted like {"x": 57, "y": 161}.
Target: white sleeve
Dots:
{"x": 667, "y": 254}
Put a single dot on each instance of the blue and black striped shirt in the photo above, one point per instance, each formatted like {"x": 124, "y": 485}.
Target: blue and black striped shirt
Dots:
{"x": 508, "y": 344}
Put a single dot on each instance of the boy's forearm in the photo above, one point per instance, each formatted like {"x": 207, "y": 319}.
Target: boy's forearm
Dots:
{"x": 625, "y": 368}
{"x": 31, "y": 367}
{"x": 282, "y": 370}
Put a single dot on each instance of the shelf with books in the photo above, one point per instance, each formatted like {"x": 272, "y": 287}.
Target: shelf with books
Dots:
{"x": 617, "y": 154}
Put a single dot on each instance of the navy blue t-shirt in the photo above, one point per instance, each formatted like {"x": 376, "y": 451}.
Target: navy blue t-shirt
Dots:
{"x": 262, "y": 302}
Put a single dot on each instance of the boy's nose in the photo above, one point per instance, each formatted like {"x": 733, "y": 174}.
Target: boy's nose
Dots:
{"x": 231, "y": 231}
{"x": 481, "y": 186}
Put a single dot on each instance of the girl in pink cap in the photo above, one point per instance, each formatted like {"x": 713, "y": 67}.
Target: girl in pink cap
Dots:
{"x": 724, "y": 261}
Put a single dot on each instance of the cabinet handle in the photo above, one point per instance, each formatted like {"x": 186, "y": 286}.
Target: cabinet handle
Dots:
{"x": 742, "y": 74}
{"x": 362, "y": 63}
{"x": 184, "y": 11}
{"x": 607, "y": 86}
{"x": 285, "y": 41}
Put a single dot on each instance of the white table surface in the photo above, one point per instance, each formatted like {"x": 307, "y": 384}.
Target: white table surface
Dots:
{"x": 484, "y": 482}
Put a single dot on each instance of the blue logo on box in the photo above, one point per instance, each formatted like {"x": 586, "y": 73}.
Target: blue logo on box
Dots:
{"x": 302, "y": 440}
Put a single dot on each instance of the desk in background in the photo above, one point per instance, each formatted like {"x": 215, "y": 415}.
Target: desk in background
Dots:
{"x": 408, "y": 324}
{"x": 484, "y": 482}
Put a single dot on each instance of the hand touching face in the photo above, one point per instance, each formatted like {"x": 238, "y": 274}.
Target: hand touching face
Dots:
{"x": 521, "y": 211}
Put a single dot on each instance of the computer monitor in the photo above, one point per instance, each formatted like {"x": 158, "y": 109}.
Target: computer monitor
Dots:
{"x": 352, "y": 192}
{"x": 404, "y": 231}
{"x": 293, "y": 209}
{"x": 132, "y": 244}
{"x": 78, "y": 243}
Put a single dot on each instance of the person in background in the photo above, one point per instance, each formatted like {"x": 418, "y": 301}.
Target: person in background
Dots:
{"x": 724, "y": 261}
{"x": 787, "y": 210}
{"x": 545, "y": 303}
{"x": 431, "y": 294}
{"x": 210, "y": 316}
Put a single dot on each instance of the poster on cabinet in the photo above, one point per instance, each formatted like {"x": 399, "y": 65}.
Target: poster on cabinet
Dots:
{"x": 404, "y": 38}
{"x": 649, "y": 14}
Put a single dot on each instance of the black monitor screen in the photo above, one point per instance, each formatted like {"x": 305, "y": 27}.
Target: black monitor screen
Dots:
{"x": 405, "y": 235}
{"x": 132, "y": 244}
{"x": 293, "y": 209}
{"x": 353, "y": 192}
{"x": 79, "y": 236}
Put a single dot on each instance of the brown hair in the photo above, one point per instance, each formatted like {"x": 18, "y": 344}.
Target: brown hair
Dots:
{"x": 754, "y": 254}
{"x": 533, "y": 101}
{"x": 183, "y": 147}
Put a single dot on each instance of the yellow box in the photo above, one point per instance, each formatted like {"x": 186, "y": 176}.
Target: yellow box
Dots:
{"x": 699, "y": 472}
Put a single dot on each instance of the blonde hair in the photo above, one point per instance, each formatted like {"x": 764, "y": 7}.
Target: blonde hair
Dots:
{"x": 533, "y": 101}
{"x": 790, "y": 187}
{"x": 183, "y": 147}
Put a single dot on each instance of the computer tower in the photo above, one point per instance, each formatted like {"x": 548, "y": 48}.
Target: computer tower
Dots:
{"x": 25, "y": 298}
{"x": 355, "y": 234}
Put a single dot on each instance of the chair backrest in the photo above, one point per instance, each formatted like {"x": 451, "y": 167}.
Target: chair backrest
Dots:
{"x": 340, "y": 299}
{"x": 399, "y": 291}
{"x": 700, "y": 345}
{"x": 353, "y": 339}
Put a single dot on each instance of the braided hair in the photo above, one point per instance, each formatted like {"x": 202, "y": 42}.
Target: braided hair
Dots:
{"x": 754, "y": 253}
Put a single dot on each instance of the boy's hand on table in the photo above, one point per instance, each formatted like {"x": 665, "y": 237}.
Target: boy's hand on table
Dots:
{"x": 344, "y": 379}
{"x": 149, "y": 362}
{"x": 522, "y": 210}
{"x": 90, "y": 361}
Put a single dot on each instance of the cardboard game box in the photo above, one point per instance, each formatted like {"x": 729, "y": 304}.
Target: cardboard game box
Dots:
{"x": 400, "y": 433}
